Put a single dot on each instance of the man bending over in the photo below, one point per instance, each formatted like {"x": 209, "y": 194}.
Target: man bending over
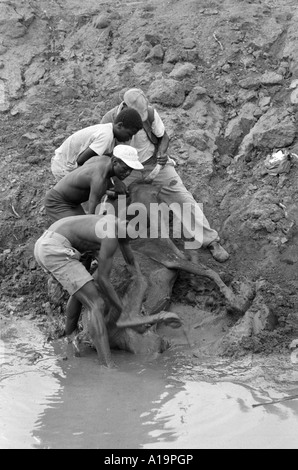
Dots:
{"x": 58, "y": 252}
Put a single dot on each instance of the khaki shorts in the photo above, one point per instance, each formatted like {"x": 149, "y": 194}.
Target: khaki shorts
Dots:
{"x": 55, "y": 255}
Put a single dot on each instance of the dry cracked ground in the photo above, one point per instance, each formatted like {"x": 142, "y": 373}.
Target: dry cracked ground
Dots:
{"x": 224, "y": 77}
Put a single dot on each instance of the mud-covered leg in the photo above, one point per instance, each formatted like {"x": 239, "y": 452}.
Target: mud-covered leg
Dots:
{"x": 73, "y": 338}
{"x": 89, "y": 297}
{"x": 136, "y": 291}
{"x": 99, "y": 336}
{"x": 169, "y": 318}
{"x": 237, "y": 304}
{"x": 73, "y": 312}
{"x": 74, "y": 309}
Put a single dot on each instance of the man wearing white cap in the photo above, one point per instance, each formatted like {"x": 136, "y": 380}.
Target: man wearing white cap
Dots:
{"x": 152, "y": 143}
{"x": 90, "y": 182}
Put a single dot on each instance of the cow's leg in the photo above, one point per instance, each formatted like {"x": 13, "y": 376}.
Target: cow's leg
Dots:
{"x": 169, "y": 318}
{"x": 237, "y": 304}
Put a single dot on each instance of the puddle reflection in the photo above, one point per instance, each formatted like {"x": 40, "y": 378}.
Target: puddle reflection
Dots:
{"x": 100, "y": 408}
{"x": 29, "y": 383}
{"x": 220, "y": 415}
{"x": 48, "y": 402}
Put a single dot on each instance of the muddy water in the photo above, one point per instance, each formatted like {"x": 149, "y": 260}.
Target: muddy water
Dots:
{"x": 52, "y": 400}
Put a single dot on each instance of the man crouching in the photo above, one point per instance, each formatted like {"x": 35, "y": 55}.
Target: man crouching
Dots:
{"x": 58, "y": 252}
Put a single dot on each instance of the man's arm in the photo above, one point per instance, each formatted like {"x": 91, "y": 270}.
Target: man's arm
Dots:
{"x": 127, "y": 252}
{"x": 98, "y": 187}
{"x": 163, "y": 145}
{"x": 118, "y": 186}
{"x": 85, "y": 155}
{"x": 105, "y": 261}
{"x": 125, "y": 248}
{"x": 158, "y": 129}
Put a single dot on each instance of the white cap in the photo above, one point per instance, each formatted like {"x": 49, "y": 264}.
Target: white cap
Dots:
{"x": 136, "y": 99}
{"x": 128, "y": 155}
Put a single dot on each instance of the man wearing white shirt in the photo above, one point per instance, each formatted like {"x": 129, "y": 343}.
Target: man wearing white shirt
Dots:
{"x": 152, "y": 143}
{"x": 99, "y": 139}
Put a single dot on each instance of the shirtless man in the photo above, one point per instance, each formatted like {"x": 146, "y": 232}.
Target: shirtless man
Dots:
{"x": 58, "y": 252}
{"x": 90, "y": 183}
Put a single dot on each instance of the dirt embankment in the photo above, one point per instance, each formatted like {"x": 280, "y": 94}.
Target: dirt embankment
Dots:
{"x": 223, "y": 76}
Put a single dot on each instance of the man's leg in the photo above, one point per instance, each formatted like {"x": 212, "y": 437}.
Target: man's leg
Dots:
{"x": 173, "y": 190}
{"x": 73, "y": 312}
{"x": 89, "y": 297}
{"x": 74, "y": 307}
{"x": 63, "y": 261}
{"x": 194, "y": 222}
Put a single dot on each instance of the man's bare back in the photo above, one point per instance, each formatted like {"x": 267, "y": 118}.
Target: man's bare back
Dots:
{"x": 58, "y": 252}
{"x": 86, "y": 232}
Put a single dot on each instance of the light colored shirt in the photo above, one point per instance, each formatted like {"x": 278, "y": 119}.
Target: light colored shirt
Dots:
{"x": 100, "y": 138}
{"x": 140, "y": 140}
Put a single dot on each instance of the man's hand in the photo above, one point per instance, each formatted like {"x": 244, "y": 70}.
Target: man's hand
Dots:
{"x": 111, "y": 194}
{"x": 162, "y": 159}
{"x": 119, "y": 187}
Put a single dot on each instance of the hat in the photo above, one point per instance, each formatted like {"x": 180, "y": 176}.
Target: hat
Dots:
{"x": 136, "y": 99}
{"x": 128, "y": 155}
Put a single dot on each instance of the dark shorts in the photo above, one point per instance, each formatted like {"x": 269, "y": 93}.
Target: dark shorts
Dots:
{"x": 57, "y": 207}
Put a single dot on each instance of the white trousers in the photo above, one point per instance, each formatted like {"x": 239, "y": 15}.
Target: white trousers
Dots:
{"x": 172, "y": 190}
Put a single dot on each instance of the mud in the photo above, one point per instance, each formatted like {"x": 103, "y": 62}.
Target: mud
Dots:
{"x": 53, "y": 400}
